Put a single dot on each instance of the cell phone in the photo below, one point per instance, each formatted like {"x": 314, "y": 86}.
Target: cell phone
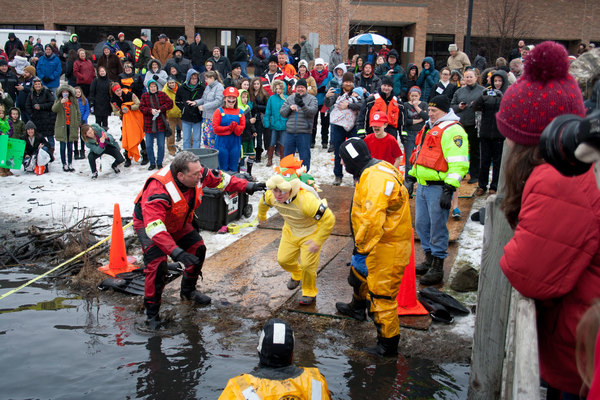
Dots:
{"x": 491, "y": 93}
{"x": 65, "y": 95}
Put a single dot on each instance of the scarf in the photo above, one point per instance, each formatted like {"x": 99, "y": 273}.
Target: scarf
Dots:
{"x": 68, "y": 112}
{"x": 305, "y": 76}
{"x": 319, "y": 76}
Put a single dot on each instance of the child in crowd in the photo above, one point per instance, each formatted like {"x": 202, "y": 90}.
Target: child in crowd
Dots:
{"x": 249, "y": 133}
{"x": 228, "y": 124}
{"x": 4, "y": 125}
{"x": 100, "y": 142}
{"x": 17, "y": 126}
{"x": 66, "y": 127}
{"x": 274, "y": 120}
{"x": 381, "y": 144}
{"x": 84, "y": 109}
{"x": 36, "y": 156}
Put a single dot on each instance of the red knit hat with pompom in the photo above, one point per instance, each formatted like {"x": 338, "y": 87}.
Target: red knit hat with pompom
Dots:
{"x": 545, "y": 91}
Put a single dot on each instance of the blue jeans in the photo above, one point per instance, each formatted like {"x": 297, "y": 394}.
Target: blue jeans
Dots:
{"x": 191, "y": 134}
{"x": 301, "y": 143}
{"x": 160, "y": 141}
{"x": 408, "y": 142}
{"x": 244, "y": 65}
{"x": 338, "y": 136}
{"x": 431, "y": 219}
{"x": 275, "y": 136}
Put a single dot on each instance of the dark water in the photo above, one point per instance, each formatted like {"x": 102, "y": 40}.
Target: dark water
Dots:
{"x": 56, "y": 345}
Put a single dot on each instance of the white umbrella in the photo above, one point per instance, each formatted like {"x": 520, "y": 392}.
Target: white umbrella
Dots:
{"x": 369, "y": 38}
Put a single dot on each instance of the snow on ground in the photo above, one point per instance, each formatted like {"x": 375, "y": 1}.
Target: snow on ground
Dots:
{"x": 61, "y": 198}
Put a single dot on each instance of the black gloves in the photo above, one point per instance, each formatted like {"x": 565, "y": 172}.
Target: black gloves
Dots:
{"x": 184, "y": 257}
{"x": 255, "y": 187}
{"x": 446, "y": 197}
{"x": 409, "y": 182}
{"x": 155, "y": 77}
{"x": 298, "y": 100}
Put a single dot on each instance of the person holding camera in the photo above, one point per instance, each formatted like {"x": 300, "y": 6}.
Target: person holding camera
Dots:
{"x": 462, "y": 104}
{"x": 490, "y": 139}
{"x": 554, "y": 255}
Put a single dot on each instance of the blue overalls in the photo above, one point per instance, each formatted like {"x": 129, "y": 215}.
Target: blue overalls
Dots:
{"x": 230, "y": 146}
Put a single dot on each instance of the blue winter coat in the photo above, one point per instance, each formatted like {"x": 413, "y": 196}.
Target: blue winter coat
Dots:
{"x": 84, "y": 109}
{"x": 273, "y": 118}
{"x": 428, "y": 78}
{"x": 48, "y": 69}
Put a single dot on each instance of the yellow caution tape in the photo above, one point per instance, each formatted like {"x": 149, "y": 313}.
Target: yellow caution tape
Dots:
{"x": 75, "y": 257}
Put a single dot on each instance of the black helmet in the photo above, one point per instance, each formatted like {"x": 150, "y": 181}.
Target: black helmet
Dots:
{"x": 276, "y": 344}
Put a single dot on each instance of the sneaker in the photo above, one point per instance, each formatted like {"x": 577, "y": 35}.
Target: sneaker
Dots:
{"x": 292, "y": 284}
{"x": 456, "y": 213}
{"x": 94, "y": 175}
{"x": 306, "y": 300}
{"x": 337, "y": 181}
{"x": 479, "y": 192}
{"x": 151, "y": 167}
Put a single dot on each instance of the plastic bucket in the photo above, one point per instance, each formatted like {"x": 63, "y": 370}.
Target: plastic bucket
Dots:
{"x": 208, "y": 157}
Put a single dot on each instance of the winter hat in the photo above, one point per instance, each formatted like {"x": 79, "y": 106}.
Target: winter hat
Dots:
{"x": 319, "y": 61}
{"x": 379, "y": 118}
{"x": 197, "y": 34}
{"x": 115, "y": 87}
{"x": 3, "y": 62}
{"x": 273, "y": 58}
{"x": 303, "y": 63}
{"x": 121, "y": 34}
{"x": 359, "y": 91}
{"x": 181, "y": 38}
{"x": 544, "y": 91}
{"x": 162, "y": 36}
{"x": 440, "y": 101}
{"x": 301, "y": 82}
{"x": 356, "y": 156}
{"x": 171, "y": 78}
{"x": 235, "y": 65}
{"x": 30, "y": 69}
{"x": 414, "y": 89}
{"x": 453, "y": 47}
{"x": 348, "y": 77}
{"x": 276, "y": 344}
{"x": 387, "y": 80}
{"x": 47, "y": 46}
{"x": 30, "y": 125}
{"x": 264, "y": 41}
{"x": 231, "y": 91}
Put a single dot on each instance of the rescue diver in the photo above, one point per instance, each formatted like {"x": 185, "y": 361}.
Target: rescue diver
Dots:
{"x": 382, "y": 231}
{"x": 276, "y": 376}
{"x": 163, "y": 220}
{"x": 308, "y": 223}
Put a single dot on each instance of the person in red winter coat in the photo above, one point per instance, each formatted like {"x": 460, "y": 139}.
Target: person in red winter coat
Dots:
{"x": 554, "y": 255}
{"x": 154, "y": 105}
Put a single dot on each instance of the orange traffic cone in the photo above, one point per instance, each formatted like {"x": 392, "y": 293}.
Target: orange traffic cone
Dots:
{"x": 118, "y": 261}
{"x": 407, "y": 294}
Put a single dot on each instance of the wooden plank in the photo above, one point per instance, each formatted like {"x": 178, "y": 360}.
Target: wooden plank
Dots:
{"x": 493, "y": 302}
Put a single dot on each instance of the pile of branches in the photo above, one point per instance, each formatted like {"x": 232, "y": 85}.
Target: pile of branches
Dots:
{"x": 52, "y": 246}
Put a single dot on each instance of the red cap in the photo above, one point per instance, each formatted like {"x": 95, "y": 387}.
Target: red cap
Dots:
{"x": 116, "y": 87}
{"x": 230, "y": 91}
{"x": 378, "y": 119}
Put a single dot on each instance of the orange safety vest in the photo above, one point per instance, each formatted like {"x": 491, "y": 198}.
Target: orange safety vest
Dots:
{"x": 391, "y": 110}
{"x": 179, "y": 214}
{"x": 428, "y": 151}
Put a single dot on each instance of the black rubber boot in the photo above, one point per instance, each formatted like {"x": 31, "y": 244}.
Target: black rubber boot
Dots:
{"x": 153, "y": 319}
{"x": 355, "y": 309}
{"x": 258, "y": 154}
{"x": 422, "y": 268}
{"x": 249, "y": 164}
{"x": 189, "y": 292}
{"x": 435, "y": 274}
{"x": 127, "y": 159}
{"x": 386, "y": 347}
{"x": 144, "y": 153}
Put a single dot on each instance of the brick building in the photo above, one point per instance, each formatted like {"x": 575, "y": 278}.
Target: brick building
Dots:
{"x": 432, "y": 23}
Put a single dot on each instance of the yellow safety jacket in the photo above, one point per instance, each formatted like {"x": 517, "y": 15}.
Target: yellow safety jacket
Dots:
{"x": 452, "y": 142}
{"x": 310, "y": 385}
{"x": 304, "y": 215}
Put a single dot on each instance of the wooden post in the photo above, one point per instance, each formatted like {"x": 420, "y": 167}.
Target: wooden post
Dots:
{"x": 492, "y": 302}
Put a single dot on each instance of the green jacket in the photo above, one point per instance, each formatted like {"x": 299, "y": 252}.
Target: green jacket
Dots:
{"x": 455, "y": 147}
{"x": 60, "y": 126}
{"x": 93, "y": 145}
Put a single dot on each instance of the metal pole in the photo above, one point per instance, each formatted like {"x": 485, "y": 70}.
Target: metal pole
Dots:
{"x": 469, "y": 22}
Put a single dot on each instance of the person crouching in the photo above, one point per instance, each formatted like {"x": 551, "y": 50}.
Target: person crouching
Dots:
{"x": 100, "y": 142}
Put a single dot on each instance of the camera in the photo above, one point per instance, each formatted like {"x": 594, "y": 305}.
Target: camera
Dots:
{"x": 491, "y": 93}
{"x": 563, "y": 135}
